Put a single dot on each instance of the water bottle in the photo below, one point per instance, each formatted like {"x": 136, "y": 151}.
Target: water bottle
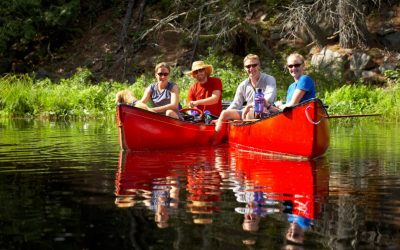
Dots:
{"x": 258, "y": 102}
{"x": 207, "y": 117}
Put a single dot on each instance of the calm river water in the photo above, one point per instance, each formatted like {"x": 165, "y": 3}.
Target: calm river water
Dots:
{"x": 67, "y": 186}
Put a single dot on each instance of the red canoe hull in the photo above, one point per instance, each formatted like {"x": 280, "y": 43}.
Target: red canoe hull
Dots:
{"x": 141, "y": 130}
{"x": 301, "y": 131}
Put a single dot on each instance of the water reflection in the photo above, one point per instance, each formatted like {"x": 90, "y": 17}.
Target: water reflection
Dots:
{"x": 155, "y": 180}
{"x": 297, "y": 189}
{"x": 60, "y": 189}
{"x": 288, "y": 193}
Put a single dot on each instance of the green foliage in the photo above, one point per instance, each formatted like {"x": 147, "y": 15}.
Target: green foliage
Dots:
{"x": 230, "y": 75}
{"x": 79, "y": 97}
{"x": 75, "y": 97}
{"x": 393, "y": 76}
{"x": 282, "y": 76}
{"x": 32, "y": 28}
{"x": 15, "y": 95}
{"x": 361, "y": 99}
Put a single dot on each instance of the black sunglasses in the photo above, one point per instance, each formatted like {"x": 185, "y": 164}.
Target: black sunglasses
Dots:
{"x": 296, "y": 65}
{"x": 162, "y": 74}
{"x": 251, "y": 65}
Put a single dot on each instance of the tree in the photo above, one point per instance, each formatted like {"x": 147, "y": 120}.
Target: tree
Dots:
{"x": 345, "y": 18}
{"x": 352, "y": 24}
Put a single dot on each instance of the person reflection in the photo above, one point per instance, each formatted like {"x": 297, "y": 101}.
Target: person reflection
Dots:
{"x": 299, "y": 218}
{"x": 255, "y": 208}
{"x": 204, "y": 193}
{"x": 164, "y": 198}
{"x": 251, "y": 218}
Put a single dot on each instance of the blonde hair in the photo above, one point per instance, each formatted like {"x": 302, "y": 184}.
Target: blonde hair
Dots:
{"x": 297, "y": 56}
{"x": 251, "y": 57}
{"x": 162, "y": 65}
{"x": 124, "y": 96}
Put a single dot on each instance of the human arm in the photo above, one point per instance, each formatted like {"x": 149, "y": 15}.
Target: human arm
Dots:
{"x": 296, "y": 97}
{"x": 146, "y": 95}
{"x": 239, "y": 98}
{"x": 270, "y": 91}
{"x": 246, "y": 110}
{"x": 300, "y": 91}
{"x": 207, "y": 101}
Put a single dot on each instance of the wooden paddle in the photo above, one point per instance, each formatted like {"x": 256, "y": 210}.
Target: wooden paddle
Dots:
{"x": 351, "y": 115}
{"x": 242, "y": 121}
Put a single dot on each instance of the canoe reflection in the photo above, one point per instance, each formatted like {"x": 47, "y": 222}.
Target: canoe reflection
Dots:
{"x": 193, "y": 181}
{"x": 156, "y": 179}
{"x": 267, "y": 185}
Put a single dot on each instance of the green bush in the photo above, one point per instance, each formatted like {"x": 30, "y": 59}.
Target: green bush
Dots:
{"x": 361, "y": 99}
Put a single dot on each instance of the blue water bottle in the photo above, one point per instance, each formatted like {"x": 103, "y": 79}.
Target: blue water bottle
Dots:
{"x": 258, "y": 102}
{"x": 207, "y": 117}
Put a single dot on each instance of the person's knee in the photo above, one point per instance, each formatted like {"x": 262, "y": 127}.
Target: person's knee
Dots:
{"x": 171, "y": 113}
{"x": 231, "y": 115}
{"x": 223, "y": 115}
{"x": 250, "y": 114}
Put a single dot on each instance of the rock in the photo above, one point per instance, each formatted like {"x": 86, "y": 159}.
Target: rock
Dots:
{"x": 372, "y": 77}
{"x": 359, "y": 62}
{"x": 331, "y": 62}
{"x": 387, "y": 66}
{"x": 391, "y": 41}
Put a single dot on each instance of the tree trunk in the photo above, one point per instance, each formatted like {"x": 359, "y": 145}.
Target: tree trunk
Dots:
{"x": 196, "y": 41}
{"x": 126, "y": 22}
{"x": 352, "y": 24}
{"x": 317, "y": 35}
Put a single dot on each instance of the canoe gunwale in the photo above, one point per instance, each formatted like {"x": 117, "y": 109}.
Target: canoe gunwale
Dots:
{"x": 288, "y": 109}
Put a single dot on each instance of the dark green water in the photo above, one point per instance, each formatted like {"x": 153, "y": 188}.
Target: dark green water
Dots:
{"x": 67, "y": 186}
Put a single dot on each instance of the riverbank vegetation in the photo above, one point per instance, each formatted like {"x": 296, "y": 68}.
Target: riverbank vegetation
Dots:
{"x": 115, "y": 44}
{"x": 78, "y": 97}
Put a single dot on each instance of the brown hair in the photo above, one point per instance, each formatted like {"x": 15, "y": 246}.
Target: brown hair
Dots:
{"x": 162, "y": 65}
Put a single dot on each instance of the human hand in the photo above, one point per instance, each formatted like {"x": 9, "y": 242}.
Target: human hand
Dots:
{"x": 283, "y": 106}
{"x": 192, "y": 104}
{"x": 245, "y": 111}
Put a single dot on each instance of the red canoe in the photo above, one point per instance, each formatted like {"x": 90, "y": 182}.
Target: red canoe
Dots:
{"x": 141, "y": 130}
{"x": 303, "y": 131}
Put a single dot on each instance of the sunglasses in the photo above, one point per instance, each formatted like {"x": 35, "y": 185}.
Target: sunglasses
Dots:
{"x": 296, "y": 65}
{"x": 251, "y": 65}
{"x": 198, "y": 70}
{"x": 162, "y": 74}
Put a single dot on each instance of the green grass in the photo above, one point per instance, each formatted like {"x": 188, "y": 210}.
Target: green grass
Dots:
{"x": 79, "y": 98}
{"x": 361, "y": 99}
{"x": 76, "y": 97}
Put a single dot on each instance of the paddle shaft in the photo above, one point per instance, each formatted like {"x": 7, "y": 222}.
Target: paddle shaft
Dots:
{"x": 242, "y": 121}
{"x": 348, "y": 116}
